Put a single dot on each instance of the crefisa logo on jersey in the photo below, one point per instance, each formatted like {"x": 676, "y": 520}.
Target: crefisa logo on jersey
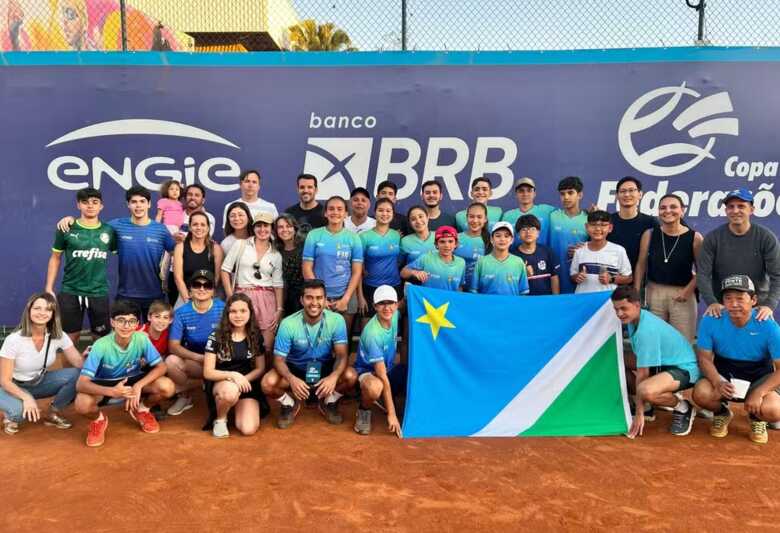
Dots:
{"x": 74, "y": 172}
{"x": 342, "y": 154}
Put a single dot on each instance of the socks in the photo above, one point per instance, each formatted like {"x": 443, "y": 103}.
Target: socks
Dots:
{"x": 682, "y": 406}
{"x": 334, "y": 397}
{"x": 723, "y": 411}
{"x": 286, "y": 400}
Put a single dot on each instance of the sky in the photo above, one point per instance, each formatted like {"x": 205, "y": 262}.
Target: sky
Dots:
{"x": 546, "y": 24}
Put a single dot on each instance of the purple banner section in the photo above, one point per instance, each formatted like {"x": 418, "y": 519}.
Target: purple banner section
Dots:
{"x": 698, "y": 128}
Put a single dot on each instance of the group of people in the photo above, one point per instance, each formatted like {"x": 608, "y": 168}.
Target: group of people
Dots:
{"x": 269, "y": 312}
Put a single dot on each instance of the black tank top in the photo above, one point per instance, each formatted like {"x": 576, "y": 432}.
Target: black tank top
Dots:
{"x": 192, "y": 261}
{"x": 677, "y": 269}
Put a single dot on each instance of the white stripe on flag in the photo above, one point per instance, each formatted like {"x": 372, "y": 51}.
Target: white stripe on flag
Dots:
{"x": 539, "y": 394}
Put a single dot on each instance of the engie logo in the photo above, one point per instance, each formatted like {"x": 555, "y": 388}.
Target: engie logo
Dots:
{"x": 69, "y": 171}
{"x": 689, "y": 118}
{"x": 343, "y": 163}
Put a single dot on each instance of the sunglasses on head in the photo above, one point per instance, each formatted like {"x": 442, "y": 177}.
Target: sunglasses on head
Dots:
{"x": 202, "y": 285}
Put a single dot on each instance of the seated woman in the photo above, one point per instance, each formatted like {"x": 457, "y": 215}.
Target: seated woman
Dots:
{"x": 233, "y": 365}
{"x": 25, "y": 358}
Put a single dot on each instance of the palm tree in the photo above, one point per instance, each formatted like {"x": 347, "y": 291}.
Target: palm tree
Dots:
{"x": 308, "y": 36}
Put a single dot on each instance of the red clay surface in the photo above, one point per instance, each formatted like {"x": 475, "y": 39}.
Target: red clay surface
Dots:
{"x": 327, "y": 478}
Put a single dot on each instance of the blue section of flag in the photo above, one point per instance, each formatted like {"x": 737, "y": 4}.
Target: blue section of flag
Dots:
{"x": 459, "y": 381}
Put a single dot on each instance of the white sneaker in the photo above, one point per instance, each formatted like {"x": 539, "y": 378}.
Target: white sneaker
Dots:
{"x": 181, "y": 404}
{"x": 220, "y": 429}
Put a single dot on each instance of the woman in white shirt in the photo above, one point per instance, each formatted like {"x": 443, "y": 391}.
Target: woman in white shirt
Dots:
{"x": 25, "y": 358}
{"x": 259, "y": 276}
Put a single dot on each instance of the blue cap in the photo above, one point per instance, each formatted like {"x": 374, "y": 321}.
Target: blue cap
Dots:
{"x": 742, "y": 194}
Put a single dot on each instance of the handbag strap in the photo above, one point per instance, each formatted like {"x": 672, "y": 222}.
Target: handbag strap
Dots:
{"x": 45, "y": 357}
{"x": 235, "y": 266}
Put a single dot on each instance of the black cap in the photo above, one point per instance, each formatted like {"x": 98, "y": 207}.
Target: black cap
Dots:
{"x": 737, "y": 282}
{"x": 208, "y": 275}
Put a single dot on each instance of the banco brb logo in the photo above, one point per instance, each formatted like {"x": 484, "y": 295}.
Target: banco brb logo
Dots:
{"x": 340, "y": 164}
{"x": 689, "y": 118}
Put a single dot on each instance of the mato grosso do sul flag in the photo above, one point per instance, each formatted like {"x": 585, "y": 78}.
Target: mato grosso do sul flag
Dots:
{"x": 502, "y": 366}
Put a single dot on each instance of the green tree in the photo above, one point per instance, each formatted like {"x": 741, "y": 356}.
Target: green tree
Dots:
{"x": 308, "y": 36}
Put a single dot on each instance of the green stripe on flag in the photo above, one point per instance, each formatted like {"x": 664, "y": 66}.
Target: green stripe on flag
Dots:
{"x": 591, "y": 404}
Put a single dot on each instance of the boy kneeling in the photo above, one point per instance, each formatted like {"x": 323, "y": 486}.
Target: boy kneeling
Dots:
{"x": 377, "y": 375}
{"x": 122, "y": 366}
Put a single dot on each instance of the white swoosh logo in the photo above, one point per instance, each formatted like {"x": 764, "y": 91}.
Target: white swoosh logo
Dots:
{"x": 141, "y": 126}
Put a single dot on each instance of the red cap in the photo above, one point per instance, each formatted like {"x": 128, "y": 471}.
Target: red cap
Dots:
{"x": 446, "y": 231}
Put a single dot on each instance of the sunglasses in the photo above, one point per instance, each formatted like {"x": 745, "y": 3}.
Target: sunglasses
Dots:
{"x": 257, "y": 274}
{"x": 202, "y": 285}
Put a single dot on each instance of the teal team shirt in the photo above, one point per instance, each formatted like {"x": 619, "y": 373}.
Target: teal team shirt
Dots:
{"x": 507, "y": 277}
{"x": 441, "y": 275}
{"x": 657, "y": 343}
{"x": 299, "y": 342}
{"x": 377, "y": 344}
{"x": 755, "y": 341}
{"x": 333, "y": 255}
{"x": 413, "y": 247}
{"x": 564, "y": 232}
{"x": 380, "y": 258}
{"x": 494, "y": 215}
{"x": 106, "y": 360}
{"x": 470, "y": 249}
{"x": 540, "y": 211}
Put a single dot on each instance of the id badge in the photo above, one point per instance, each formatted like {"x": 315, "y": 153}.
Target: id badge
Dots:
{"x": 313, "y": 372}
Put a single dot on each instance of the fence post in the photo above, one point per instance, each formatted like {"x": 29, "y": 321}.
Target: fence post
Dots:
{"x": 403, "y": 24}
{"x": 700, "y": 8}
{"x": 123, "y": 22}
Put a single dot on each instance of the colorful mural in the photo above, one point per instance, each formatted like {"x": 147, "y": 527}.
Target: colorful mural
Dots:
{"x": 27, "y": 25}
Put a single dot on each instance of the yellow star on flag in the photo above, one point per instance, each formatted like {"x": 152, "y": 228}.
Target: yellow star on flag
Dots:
{"x": 434, "y": 317}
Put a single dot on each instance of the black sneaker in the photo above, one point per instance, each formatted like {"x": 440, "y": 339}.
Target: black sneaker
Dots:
{"x": 331, "y": 412}
{"x": 682, "y": 422}
{"x": 650, "y": 414}
{"x": 287, "y": 415}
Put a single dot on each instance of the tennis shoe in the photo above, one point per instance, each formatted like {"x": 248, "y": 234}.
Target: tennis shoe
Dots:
{"x": 720, "y": 424}
{"x": 146, "y": 420}
{"x": 758, "y": 432}
{"x": 96, "y": 433}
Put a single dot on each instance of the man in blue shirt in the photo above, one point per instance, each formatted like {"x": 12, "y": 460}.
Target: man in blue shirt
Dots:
{"x": 141, "y": 244}
{"x": 736, "y": 348}
{"x": 665, "y": 362}
{"x": 378, "y": 375}
{"x": 122, "y": 366}
{"x": 192, "y": 325}
{"x": 310, "y": 359}
{"x": 567, "y": 228}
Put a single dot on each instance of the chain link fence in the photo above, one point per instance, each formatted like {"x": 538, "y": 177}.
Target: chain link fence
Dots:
{"x": 272, "y": 25}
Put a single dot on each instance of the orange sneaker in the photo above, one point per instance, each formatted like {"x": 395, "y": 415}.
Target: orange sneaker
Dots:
{"x": 146, "y": 420}
{"x": 96, "y": 434}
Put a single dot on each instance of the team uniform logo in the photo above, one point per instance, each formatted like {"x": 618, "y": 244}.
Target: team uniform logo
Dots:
{"x": 690, "y": 119}
{"x": 343, "y": 164}
{"x": 104, "y": 238}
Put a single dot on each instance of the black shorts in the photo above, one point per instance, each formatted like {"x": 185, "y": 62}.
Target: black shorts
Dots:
{"x": 756, "y": 372}
{"x": 397, "y": 377}
{"x": 255, "y": 394}
{"x": 72, "y": 309}
{"x": 368, "y": 294}
{"x": 300, "y": 373}
{"x": 111, "y": 382}
{"x": 677, "y": 373}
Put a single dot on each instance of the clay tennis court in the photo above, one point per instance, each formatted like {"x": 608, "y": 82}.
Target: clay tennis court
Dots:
{"x": 326, "y": 478}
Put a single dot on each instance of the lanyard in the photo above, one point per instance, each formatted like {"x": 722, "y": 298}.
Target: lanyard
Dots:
{"x": 308, "y": 337}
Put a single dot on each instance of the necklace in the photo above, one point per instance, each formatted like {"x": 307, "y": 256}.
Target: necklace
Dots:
{"x": 663, "y": 244}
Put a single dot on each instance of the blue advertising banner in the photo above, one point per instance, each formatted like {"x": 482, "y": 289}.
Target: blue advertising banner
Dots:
{"x": 694, "y": 121}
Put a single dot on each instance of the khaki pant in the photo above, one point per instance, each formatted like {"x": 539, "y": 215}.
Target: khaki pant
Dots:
{"x": 681, "y": 315}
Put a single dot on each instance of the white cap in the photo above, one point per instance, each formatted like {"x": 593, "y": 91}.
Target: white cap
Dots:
{"x": 503, "y": 225}
{"x": 385, "y": 293}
